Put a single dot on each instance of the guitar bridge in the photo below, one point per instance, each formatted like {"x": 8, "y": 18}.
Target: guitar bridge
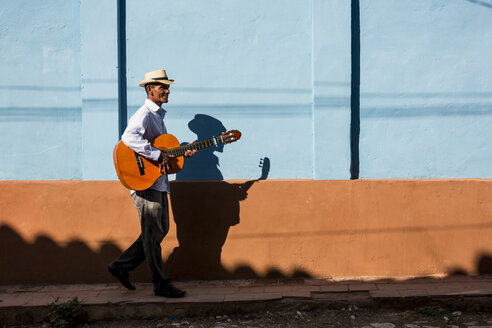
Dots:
{"x": 140, "y": 164}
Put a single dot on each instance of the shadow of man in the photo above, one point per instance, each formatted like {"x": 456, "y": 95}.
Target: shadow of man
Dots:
{"x": 204, "y": 208}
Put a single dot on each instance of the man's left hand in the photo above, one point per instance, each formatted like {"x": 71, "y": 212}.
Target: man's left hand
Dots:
{"x": 190, "y": 153}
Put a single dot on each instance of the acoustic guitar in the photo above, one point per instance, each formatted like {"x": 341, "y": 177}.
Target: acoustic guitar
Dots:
{"x": 138, "y": 173}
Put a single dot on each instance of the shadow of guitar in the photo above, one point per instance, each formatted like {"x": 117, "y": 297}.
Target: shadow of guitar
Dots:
{"x": 203, "y": 212}
{"x": 265, "y": 170}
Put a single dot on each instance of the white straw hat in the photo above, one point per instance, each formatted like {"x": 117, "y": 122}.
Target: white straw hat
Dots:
{"x": 158, "y": 76}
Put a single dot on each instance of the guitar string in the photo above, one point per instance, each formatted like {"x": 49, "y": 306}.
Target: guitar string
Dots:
{"x": 180, "y": 151}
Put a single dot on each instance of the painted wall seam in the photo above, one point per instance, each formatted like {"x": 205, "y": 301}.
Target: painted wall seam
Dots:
{"x": 313, "y": 111}
{"x": 355, "y": 90}
{"x": 122, "y": 92}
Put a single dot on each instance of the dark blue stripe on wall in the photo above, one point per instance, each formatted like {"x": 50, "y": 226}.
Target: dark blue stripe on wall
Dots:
{"x": 122, "y": 98}
{"x": 355, "y": 94}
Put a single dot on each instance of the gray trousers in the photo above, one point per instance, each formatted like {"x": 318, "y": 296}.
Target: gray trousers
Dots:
{"x": 153, "y": 210}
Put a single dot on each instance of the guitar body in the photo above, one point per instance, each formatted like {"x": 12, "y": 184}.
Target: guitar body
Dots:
{"x": 138, "y": 173}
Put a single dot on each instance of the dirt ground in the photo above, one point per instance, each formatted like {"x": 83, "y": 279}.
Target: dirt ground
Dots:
{"x": 350, "y": 316}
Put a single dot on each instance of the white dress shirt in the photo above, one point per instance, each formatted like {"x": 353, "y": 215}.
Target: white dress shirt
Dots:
{"x": 146, "y": 124}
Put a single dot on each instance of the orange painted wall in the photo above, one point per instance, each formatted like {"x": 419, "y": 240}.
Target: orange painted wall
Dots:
{"x": 68, "y": 231}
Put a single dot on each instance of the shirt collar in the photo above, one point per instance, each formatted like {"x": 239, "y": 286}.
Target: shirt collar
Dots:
{"x": 153, "y": 107}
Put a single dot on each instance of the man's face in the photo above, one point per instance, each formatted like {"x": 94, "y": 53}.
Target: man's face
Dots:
{"x": 158, "y": 93}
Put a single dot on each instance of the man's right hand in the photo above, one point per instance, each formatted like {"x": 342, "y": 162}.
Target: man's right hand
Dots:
{"x": 165, "y": 164}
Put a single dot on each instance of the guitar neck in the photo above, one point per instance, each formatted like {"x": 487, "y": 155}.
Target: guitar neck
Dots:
{"x": 202, "y": 144}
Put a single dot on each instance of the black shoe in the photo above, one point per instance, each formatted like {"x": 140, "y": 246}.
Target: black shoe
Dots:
{"x": 170, "y": 291}
{"x": 122, "y": 277}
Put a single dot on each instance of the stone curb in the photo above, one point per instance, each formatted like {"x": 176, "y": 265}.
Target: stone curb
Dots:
{"x": 25, "y": 304}
{"x": 151, "y": 310}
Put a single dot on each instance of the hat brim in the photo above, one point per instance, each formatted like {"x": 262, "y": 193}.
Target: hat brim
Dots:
{"x": 144, "y": 82}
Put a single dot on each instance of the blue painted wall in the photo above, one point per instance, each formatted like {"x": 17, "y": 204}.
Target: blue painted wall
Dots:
{"x": 426, "y": 89}
{"x": 244, "y": 63}
{"x": 279, "y": 71}
{"x": 99, "y": 88}
{"x": 40, "y": 90}
{"x": 331, "y": 89}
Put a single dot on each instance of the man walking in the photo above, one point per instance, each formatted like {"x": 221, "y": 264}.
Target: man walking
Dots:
{"x": 152, "y": 204}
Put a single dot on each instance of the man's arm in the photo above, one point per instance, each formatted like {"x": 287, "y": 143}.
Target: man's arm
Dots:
{"x": 133, "y": 138}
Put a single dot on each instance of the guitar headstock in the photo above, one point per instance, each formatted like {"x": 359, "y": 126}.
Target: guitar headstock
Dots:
{"x": 231, "y": 136}
{"x": 265, "y": 167}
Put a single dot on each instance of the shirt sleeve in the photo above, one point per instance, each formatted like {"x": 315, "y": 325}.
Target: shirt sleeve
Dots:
{"x": 133, "y": 137}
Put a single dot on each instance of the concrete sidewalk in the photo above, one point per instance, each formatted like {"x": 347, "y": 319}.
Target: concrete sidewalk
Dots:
{"x": 26, "y": 304}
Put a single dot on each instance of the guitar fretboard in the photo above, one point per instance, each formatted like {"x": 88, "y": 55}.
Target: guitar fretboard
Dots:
{"x": 202, "y": 144}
